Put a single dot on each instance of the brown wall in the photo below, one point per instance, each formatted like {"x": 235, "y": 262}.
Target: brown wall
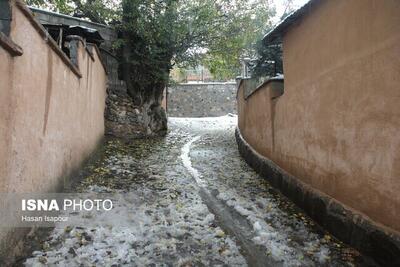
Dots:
{"x": 337, "y": 125}
{"x": 51, "y": 118}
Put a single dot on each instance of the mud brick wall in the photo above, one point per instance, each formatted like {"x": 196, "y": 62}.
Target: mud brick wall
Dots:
{"x": 335, "y": 127}
{"x": 52, "y": 110}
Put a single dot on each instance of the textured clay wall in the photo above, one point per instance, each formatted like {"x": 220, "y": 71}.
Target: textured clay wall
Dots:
{"x": 256, "y": 117}
{"x": 52, "y": 115}
{"x": 51, "y": 118}
{"x": 6, "y": 68}
{"x": 337, "y": 125}
{"x": 201, "y": 100}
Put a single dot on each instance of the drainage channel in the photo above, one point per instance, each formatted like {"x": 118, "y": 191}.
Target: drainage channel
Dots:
{"x": 229, "y": 220}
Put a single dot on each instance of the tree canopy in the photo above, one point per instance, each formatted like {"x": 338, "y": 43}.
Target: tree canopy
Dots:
{"x": 244, "y": 23}
{"x": 215, "y": 33}
{"x": 99, "y": 11}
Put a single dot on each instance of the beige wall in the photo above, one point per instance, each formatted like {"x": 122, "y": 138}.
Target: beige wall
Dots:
{"x": 337, "y": 125}
{"x": 256, "y": 117}
{"x": 51, "y": 119}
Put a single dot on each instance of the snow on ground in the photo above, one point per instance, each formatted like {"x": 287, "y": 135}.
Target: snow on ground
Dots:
{"x": 163, "y": 221}
{"x": 188, "y": 164}
{"x": 168, "y": 224}
{"x": 289, "y": 236}
{"x": 203, "y": 125}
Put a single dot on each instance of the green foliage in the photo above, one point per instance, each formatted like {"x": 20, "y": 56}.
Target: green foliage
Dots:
{"x": 159, "y": 34}
{"x": 147, "y": 43}
{"x": 244, "y": 22}
{"x": 269, "y": 56}
{"x": 100, "y": 11}
{"x": 215, "y": 33}
{"x": 269, "y": 61}
{"x": 61, "y": 6}
{"x": 222, "y": 67}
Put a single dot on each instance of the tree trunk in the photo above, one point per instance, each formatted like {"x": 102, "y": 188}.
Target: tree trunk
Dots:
{"x": 145, "y": 81}
{"x": 154, "y": 116}
{"x": 147, "y": 99}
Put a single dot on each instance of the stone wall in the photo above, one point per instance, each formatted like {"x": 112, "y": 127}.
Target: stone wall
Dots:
{"x": 52, "y": 110}
{"x": 201, "y": 100}
{"x": 123, "y": 119}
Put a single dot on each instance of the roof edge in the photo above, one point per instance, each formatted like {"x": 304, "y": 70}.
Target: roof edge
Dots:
{"x": 282, "y": 27}
{"x": 44, "y": 11}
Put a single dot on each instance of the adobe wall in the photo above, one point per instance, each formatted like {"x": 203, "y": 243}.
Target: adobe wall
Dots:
{"x": 336, "y": 127}
{"x": 201, "y": 100}
{"x": 52, "y": 111}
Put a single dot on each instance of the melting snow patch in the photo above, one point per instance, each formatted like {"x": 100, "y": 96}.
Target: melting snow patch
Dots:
{"x": 275, "y": 237}
{"x": 188, "y": 164}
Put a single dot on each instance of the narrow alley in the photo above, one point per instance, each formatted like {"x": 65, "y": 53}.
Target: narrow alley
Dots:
{"x": 199, "y": 133}
{"x": 195, "y": 202}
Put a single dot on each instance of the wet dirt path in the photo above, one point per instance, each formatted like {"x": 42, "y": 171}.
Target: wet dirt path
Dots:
{"x": 195, "y": 202}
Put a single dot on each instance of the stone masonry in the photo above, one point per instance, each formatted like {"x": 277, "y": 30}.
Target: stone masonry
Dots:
{"x": 201, "y": 100}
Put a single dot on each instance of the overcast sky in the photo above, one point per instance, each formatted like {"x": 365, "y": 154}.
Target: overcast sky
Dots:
{"x": 280, "y": 7}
